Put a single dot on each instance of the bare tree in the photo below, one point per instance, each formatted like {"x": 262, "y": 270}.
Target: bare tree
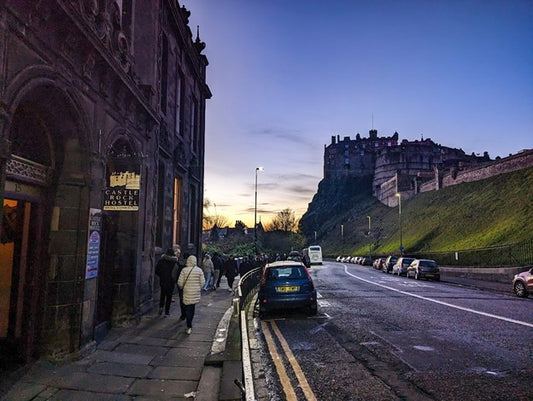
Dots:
{"x": 210, "y": 220}
{"x": 284, "y": 220}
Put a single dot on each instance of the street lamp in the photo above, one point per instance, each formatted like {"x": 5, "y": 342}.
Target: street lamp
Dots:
{"x": 255, "y": 209}
{"x": 370, "y": 238}
{"x": 399, "y": 196}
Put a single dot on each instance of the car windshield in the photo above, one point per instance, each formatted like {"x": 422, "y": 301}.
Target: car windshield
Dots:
{"x": 428, "y": 263}
{"x": 286, "y": 273}
{"x": 407, "y": 261}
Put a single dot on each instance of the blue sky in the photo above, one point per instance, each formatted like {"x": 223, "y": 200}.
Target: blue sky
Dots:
{"x": 286, "y": 75}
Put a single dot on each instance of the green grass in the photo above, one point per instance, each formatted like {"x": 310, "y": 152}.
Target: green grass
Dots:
{"x": 482, "y": 214}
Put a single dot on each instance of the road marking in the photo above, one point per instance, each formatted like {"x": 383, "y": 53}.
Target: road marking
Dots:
{"x": 440, "y": 302}
{"x": 278, "y": 363}
{"x": 304, "y": 385}
{"x": 280, "y": 367}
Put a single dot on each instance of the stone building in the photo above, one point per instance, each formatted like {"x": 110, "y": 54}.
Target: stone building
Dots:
{"x": 395, "y": 167}
{"x": 102, "y": 110}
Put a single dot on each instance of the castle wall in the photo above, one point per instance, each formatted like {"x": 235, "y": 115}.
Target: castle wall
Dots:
{"x": 411, "y": 167}
{"x": 516, "y": 162}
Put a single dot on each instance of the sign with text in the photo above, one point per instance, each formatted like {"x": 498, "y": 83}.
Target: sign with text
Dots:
{"x": 93, "y": 243}
{"x": 122, "y": 192}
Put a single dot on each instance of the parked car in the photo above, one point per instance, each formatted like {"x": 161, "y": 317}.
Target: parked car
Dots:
{"x": 286, "y": 285}
{"x": 401, "y": 265}
{"x": 389, "y": 262}
{"x": 423, "y": 268}
{"x": 523, "y": 283}
{"x": 378, "y": 263}
{"x": 365, "y": 261}
{"x": 295, "y": 256}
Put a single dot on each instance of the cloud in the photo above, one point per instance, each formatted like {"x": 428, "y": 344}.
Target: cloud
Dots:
{"x": 292, "y": 136}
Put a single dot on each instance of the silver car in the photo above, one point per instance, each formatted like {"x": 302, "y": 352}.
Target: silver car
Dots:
{"x": 401, "y": 265}
{"x": 523, "y": 283}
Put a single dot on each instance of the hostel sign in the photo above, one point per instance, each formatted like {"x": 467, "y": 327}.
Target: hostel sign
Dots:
{"x": 122, "y": 192}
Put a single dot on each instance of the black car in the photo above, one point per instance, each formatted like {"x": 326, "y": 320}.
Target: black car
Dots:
{"x": 286, "y": 285}
{"x": 423, "y": 268}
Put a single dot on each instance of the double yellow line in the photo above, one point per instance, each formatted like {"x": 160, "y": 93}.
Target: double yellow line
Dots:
{"x": 288, "y": 388}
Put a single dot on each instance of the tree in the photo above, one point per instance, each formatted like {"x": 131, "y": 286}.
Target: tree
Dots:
{"x": 284, "y": 220}
{"x": 210, "y": 220}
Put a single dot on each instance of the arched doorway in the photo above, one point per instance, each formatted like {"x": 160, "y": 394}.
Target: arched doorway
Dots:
{"x": 118, "y": 268}
{"x": 43, "y": 228}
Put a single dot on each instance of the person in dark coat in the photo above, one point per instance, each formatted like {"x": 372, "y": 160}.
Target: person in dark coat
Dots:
{"x": 166, "y": 270}
{"x": 230, "y": 267}
{"x": 217, "y": 263}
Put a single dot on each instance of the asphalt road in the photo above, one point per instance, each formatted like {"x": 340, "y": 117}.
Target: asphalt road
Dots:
{"x": 384, "y": 337}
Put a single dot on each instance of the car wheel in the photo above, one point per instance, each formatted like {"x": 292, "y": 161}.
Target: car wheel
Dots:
{"x": 312, "y": 310}
{"x": 520, "y": 289}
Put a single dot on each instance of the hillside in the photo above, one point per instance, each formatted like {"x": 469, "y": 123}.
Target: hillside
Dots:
{"x": 493, "y": 212}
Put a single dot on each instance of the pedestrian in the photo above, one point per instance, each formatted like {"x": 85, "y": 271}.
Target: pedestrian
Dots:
{"x": 191, "y": 281}
{"x": 217, "y": 264}
{"x": 181, "y": 264}
{"x": 209, "y": 271}
{"x": 166, "y": 269}
{"x": 230, "y": 267}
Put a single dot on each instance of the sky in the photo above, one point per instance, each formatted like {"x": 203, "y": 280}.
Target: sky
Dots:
{"x": 286, "y": 75}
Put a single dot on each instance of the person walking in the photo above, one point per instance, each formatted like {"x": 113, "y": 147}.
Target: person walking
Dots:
{"x": 166, "y": 270}
{"x": 209, "y": 271}
{"x": 217, "y": 264}
{"x": 230, "y": 267}
{"x": 181, "y": 264}
{"x": 191, "y": 281}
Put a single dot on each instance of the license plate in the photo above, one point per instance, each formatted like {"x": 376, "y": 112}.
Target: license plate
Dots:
{"x": 287, "y": 289}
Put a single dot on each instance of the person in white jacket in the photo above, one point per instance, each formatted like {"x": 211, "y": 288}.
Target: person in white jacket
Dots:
{"x": 191, "y": 281}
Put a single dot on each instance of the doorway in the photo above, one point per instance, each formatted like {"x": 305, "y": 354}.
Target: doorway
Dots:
{"x": 19, "y": 277}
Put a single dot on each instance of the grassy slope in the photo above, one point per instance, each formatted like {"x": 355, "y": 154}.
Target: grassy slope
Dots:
{"x": 491, "y": 212}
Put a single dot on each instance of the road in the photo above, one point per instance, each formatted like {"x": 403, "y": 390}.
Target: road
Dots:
{"x": 384, "y": 337}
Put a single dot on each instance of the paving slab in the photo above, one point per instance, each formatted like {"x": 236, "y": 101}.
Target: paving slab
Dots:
{"x": 167, "y": 388}
{"x": 121, "y": 357}
{"x": 176, "y": 373}
{"x": 70, "y": 395}
{"x": 141, "y": 349}
{"x": 121, "y": 369}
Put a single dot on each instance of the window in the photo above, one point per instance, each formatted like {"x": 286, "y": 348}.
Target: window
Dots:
{"x": 164, "y": 74}
{"x": 193, "y": 213}
{"x": 194, "y": 125}
{"x": 176, "y": 211}
{"x": 160, "y": 204}
{"x": 180, "y": 95}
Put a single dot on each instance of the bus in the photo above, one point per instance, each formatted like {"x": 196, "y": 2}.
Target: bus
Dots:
{"x": 315, "y": 254}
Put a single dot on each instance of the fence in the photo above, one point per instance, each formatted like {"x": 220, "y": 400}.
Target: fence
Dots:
{"x": 248, "y": 286}
{"x": 518, "y": 254}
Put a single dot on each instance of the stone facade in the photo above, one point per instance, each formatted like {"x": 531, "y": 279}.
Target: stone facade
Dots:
{"x": 92, "y": 90}
{"x": 410, "y": 167}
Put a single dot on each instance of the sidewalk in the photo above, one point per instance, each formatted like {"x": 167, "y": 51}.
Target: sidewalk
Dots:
{"x": 154, "y": 360}
{"x": 487, "y": 285}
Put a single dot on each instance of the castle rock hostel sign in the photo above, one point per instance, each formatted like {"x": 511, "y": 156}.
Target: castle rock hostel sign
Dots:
{"x": 122, "y": 191}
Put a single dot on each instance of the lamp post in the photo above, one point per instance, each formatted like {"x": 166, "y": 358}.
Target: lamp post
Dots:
{"x": 370, "y": 239}
{"x": 399, "y": 196}
{"x": 257, "y": 169}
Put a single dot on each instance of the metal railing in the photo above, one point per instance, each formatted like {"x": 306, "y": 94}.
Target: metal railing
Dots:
{"x": 518, "y": 254}
{"x": 248, "y": 286}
